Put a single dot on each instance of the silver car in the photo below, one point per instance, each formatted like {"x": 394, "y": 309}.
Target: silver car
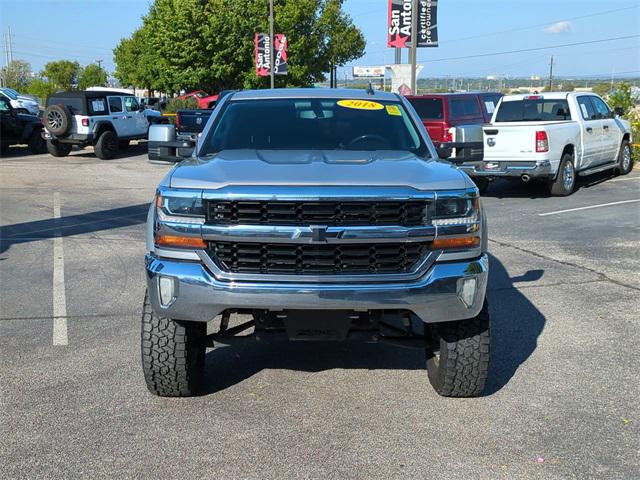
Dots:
{"x": 21, "y": 103}
{"x": 316, "y": 214}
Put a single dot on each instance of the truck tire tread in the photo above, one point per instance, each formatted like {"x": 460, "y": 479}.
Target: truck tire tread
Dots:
{"x": 463, "y": 363}
{"x": 173, "y": 353}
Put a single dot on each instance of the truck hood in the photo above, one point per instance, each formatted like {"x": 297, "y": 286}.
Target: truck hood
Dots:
{"x": 326, "y": 168}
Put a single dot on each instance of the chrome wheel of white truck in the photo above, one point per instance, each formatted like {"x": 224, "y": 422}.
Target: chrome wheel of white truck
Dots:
{"x": 626, "y": 160}
{"x": 565, "y": 182}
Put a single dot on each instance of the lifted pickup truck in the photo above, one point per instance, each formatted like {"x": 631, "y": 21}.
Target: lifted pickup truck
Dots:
{"x": 316, "y": 214}
{"x": 553, "y": 137}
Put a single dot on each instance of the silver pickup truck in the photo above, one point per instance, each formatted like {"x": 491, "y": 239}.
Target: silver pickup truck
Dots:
{"x": 315, "y": 214}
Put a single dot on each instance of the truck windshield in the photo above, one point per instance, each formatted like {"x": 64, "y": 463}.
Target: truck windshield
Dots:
{"x": 313, "y": 124}
{"x": 533, "y": 110}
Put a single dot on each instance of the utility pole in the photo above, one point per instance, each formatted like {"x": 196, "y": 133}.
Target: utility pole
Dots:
{"x": 414, "y": 45}
{"x": 5, "y": 37}
{"x": 99, "y": 62}
{"x": 271, "y": 56}
{"x": 551, "y": 75}
{"x": 10, "y": 46}
{"x": 398, "y": 56}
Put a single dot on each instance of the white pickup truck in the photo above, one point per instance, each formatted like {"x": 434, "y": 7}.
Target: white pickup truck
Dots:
{"x": 554, "y": 137}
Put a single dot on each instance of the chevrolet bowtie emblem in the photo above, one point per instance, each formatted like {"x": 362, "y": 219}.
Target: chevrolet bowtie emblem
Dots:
{"x": 319, "y": 234}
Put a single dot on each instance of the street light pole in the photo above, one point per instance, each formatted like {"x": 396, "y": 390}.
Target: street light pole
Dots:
{"x": 271, "y": 59}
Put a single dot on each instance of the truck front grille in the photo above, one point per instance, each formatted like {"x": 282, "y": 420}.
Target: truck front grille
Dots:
{"x": 329, "y": 213}
{"x": 321, "y": 259}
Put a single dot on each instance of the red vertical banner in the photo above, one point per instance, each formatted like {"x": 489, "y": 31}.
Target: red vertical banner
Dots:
{"x": 262, "y": 54}
{"x": 399, "y": 23}
{"x": 280, "y": 66}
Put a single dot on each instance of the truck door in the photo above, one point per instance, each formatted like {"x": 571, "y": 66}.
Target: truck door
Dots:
{"x": 610, "y": 132}
{"x": 135, "y": 117}
{"x": 591, "y": 133}
{"x": 118, "y": 116}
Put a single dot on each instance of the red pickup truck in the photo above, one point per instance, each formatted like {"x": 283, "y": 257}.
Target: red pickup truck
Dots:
{"x": 204, "y": 99}
{"x": 442, "y": 112}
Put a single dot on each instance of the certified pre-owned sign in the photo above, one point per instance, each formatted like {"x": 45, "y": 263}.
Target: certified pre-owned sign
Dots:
{"x": 399, "y": 31}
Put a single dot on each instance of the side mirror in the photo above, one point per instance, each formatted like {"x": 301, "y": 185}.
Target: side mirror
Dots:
{"x": 619, "y": 111}
{"x": 163, "y": 146}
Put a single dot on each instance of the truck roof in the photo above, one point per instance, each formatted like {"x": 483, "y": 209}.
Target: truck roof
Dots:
{"x": 548, "y": 95}
{"x": 315, "y": 93}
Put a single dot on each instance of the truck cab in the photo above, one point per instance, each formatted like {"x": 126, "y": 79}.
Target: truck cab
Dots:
{"x": 555, "y": 137}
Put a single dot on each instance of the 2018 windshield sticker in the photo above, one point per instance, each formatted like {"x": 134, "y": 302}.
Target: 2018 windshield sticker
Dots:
{"x": 393, "y": 110}
{"x": 360, "y": 104}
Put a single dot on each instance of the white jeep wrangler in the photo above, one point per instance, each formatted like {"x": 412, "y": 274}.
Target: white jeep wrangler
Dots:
{"x": 106, "y": 120}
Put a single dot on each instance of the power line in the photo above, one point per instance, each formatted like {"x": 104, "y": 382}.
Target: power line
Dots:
{"x": 536, "y": 49}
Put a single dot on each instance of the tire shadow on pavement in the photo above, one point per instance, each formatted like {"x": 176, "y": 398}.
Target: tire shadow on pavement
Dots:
{"x": 516, "y": 324}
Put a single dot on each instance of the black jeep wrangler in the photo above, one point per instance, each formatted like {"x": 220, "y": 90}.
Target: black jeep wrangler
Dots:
{"x": 19, "y": 128}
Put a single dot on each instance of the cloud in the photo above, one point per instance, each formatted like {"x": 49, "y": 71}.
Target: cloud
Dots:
{"x": 559, "y": 27}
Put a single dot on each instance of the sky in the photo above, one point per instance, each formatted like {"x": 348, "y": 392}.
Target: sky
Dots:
{"x": 87, "y": 30}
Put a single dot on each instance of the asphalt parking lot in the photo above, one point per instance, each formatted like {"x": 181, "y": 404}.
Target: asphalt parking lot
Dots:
{"x": 562, "y": 399}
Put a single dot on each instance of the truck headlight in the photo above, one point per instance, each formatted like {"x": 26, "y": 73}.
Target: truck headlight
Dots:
{"x": 455, "y": 211}
{"x": 457, "y": 222}
{"x": 175, "y": 207}
{"x": 180, "y": 209}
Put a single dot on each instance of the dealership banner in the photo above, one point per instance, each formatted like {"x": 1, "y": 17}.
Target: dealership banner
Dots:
{"x": 399, "y": 31}
{"x": 280, "y": 66}
{"x": 368, "y": 72}
{"x": 264, "y": 51}
{"x": 263, "y": 55}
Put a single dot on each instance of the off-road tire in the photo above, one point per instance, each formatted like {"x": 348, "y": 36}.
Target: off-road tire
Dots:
{"x": 37, "y": 144}
{"x": 173, "y": 353}
{"x": 4, "y": 148}
{"x": 58, "y": 119}
{"x": 625, "y": 148}
{"x": 106, "y": 147}
{"x": 58, "y": 149}
{"x": 482, "y": 184}
{"x": 458, "y": 355}
{"x": 558, "y": 187}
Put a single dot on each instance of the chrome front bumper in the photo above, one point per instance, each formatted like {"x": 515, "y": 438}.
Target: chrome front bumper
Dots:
{"x": 199, "y": 296}
{"x": 507, "y": 169}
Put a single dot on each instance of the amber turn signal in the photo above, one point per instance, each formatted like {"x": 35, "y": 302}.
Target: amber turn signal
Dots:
{"x": 180, "y": 242}
{"x": 455, "y": 242}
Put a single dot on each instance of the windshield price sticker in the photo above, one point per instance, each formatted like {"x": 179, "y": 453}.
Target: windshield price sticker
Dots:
{"x": 360, "y": 104}
{"x": 393, "y": 110}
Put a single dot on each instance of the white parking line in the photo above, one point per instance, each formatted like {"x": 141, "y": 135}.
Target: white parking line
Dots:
{"x": 623, "y": 179}
{"x": 589, "y": 207}
{"x": 59, "y": 291}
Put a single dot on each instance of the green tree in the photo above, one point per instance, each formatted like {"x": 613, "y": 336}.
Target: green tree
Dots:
{"x": 62, "y": 74}
{"x": 93, "y": 75}
{"x": 40, "y": 88}
{"x": 136, "y": 61}
{"x": 17, "y": 74}
{"x": 622, "y": 97}
{"x": 209, "y": 44}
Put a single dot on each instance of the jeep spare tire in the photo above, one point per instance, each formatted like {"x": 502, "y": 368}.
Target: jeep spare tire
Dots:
{"x": 58, "y": 119}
